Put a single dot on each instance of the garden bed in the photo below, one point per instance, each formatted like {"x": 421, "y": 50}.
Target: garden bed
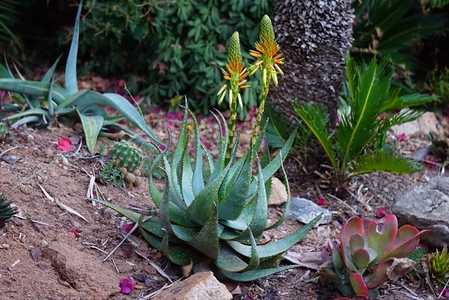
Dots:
{"x": 49, "y": 253}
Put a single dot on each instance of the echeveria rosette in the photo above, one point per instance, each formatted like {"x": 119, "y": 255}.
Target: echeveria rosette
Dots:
{"x": 365, "y": 251}
{"x": 214, "y": 209}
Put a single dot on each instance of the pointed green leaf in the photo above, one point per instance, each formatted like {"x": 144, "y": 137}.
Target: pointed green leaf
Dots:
{"x": 383, "y": 161}
{"x": 207, "y": 240}
{"x": 49, "y": 75}
{"x": 92, "y": 126}
{"x": 316, "y": 121}
{"x": 71, "y": 81}
{"x": 254, "y": 274}
{"x": 227, "y": 260}
{"x": 277, "y": 247}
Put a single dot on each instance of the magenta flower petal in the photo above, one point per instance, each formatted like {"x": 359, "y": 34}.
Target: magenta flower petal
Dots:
{"x": 126, "y": 285}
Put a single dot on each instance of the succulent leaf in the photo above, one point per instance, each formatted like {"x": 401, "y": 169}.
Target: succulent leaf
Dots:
{"x": 358, "y": 284}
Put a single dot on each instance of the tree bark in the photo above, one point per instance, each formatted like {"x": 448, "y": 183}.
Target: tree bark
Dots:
{"x": 314, "y": 36}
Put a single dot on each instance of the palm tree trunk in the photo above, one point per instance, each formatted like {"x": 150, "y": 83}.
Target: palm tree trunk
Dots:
{"x": 315, "y": 36}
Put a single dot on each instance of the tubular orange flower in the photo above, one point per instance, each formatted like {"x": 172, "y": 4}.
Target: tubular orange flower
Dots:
{"x": 267, "y": 53}
{"x": 235, "y": 74}
{"x": 269, "y": 59}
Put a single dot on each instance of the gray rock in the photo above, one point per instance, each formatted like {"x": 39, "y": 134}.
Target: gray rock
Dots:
{"x": 427, "y": 207}
{"x": 304, "y": 211}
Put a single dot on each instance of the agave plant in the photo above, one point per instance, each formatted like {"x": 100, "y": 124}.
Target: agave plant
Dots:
{"x": 369, "y": 109}
{"x": 215, "y": 209}
{"x": 367, "y": 254}
{"x": 46, "y": 100}
{"x": 6, "y": 211}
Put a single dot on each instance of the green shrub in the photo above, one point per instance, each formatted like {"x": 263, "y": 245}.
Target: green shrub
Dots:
{"x": 175, "y": 47}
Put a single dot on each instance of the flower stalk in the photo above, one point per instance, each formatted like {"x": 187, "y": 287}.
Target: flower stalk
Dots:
{"x": 268, "y": 61}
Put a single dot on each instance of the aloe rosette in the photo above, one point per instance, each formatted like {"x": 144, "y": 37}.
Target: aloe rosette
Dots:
{"x": 215, "y": 209}
{"x": 366, "y": 250}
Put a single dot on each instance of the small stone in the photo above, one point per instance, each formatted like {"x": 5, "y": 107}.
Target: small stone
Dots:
{"x": 304, "y": 211}
{"x": 427, "y": 207}
{"x": 279, "y": 193}
{"x": 200, "y": 286}
{"x": 427, "y": 123}
{"x": 36, "y": 254}
{"x": 4, "y": 246}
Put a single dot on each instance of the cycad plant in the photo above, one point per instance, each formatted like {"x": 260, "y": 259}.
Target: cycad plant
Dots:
{"x": 45, "y": 100}
{"x": 370, "y": 107}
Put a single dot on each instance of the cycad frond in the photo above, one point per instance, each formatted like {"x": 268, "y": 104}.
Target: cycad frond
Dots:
{"x": 406, "y": 101}
{"x": 369, "y": 88}
{"x": 384, "y": 161}
{"x": 316, "y": 121}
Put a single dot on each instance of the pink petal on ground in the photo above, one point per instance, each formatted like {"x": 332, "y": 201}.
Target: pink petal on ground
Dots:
{"x": 321, "y": 201}
{"x": 401, "y": 137}
{"x": 126, "y": 285}
{"x": 65, "y": 144}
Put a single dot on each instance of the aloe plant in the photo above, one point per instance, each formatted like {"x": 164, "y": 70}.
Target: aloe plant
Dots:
{"x": 6, "y": 211}
{"x": 366, "y": 253}
{"x": 370, "y": 107}
{"x": 215, "y": 210}
{"x": 46, "y": 100}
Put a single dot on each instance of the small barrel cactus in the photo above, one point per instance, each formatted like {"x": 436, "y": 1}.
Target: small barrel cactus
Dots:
{"x": 3, "y": 131}
{"x": 6, "y": 211}
{"x": 124, "y": 155}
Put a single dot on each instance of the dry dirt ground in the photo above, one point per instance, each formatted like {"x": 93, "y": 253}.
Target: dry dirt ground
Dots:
{"x": 49, "y": 253}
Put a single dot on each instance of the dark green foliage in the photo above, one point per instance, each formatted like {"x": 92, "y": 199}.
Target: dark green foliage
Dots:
{"x": 390, "y": 27}
{"x": 439, "y": 84}
{"x": 9, "y": 13}
{"x": 173, "y": 45}
{"x": 110, "y": 173}
{"x": 6, "y": 210}
{"x": 370, "y": 107}
{"x": 125, "y": 155}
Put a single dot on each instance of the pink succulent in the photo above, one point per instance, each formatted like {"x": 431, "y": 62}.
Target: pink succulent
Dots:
{"x": 126, "y": 285}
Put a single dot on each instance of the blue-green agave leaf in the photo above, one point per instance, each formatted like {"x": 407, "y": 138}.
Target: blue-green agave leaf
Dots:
{"x": 71, "y": 81}
{"x": 277, "y": 247}
{"x": 254, "y": 274}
